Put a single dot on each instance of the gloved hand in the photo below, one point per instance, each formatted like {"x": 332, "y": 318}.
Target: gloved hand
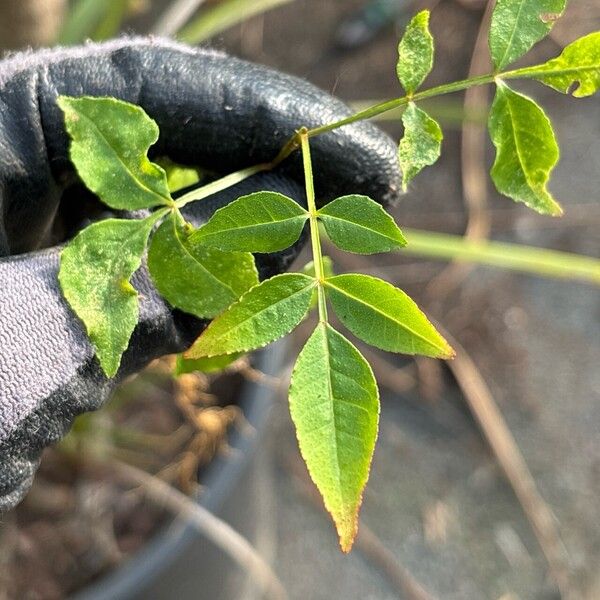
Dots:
{"x": 213, "y": 111}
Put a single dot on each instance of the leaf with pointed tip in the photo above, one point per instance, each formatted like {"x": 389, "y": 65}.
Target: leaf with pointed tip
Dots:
{"x": 415, "y": 53}
{"x": 576, "y": 71}
{"x": 214, "y": 364}
{"x": 526, "y": 150}
{"x": 109, "y": 145}
{"x": 198, "y": 280}
{"x": 334, "y": 404}
{"x": 421, "y": 144}
{"x": 384, "y": 316}
{"x": 358, "y": 224}
{"x": 262, "y": 315}
{"x": 519, "y": 24}
{"x": 95, "y": 272}
{"x": 259, "y": 222}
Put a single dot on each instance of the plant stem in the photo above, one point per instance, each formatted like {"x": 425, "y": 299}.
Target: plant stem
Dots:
{"x": 221, "y": 184}
{"x": 314, "y": 223}
{"x": 362, "y": 115}
{"x": 377, "y": 109}
{"x": 439, "y": 90}
{"x": 536, "y": 261}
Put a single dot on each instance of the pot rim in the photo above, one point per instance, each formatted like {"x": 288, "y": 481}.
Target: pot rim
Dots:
{"x": 217, "y": 482}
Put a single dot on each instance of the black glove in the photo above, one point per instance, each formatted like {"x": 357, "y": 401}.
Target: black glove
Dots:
{"x": 214, "y": 111}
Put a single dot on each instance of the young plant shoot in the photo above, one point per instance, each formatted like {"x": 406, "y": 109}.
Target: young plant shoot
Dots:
{"x": 209, "y": 272}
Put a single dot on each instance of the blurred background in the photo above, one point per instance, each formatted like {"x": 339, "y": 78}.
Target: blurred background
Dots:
{"x": 486, "y": 476}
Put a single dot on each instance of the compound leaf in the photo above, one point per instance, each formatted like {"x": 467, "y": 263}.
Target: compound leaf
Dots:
{"x": 213, "y": 364}
{"x": 421, "y": 144}
{"x": 384, "y": 316}
{"x": 110, "y": 141}
{"x": 519, "y": 24}
{"x": 95, "y": 272}
{"x": 334, "y": 403}
{"x": 415, "y": 53}
{"x": 526, "y": 150}
{"x": 263, "y": 314}
{"x": 358, "y": 224}
{"x": 576, "y": 70}
{"x": 259, "y": 222}
{"x": 198, "y": 280}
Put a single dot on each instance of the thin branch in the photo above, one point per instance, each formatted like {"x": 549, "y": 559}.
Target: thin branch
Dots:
{"x": 509, "y": 457}
{"x": 214, "y": 529}
{"x": 473, "y": 173}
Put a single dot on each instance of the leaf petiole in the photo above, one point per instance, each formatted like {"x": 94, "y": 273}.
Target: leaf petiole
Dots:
{"x": 314, "y": 223}
{"x": 439, "y": 90}
{"x": 221, "y": 184}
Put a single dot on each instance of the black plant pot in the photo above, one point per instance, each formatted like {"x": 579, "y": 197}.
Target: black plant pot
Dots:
{"x": 179, "y": 563}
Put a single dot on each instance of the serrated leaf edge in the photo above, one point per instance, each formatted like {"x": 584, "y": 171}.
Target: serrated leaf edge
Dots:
{"x": 164, "y": 200}
{"x": 270, "y": 341}
{"x": 445, "y": 352}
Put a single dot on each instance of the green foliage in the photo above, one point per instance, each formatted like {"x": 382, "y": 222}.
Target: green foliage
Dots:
{"x": 214, "y": 364}
{"x": 384, "y": 316}
{"x": 358, "y": 224}
{"x": 261, "y": 316}
{"x": 415, "y": 53}
{"x": 110, "y": 141}
{"x": 210, "y": 272}
{"x": 519, "y": 24}
{"x": 179, "y": 177}
{"x": 95, "y": 272}
{"x": 334, "y": 404}
{"x": 421, "y": 144}
{"x": 526, "y": 150}
{"x": 576, "y": 70}
{"x": 309, "y": 267}
{"x": 199, "y": 280}
{"x": 259, "y": 222}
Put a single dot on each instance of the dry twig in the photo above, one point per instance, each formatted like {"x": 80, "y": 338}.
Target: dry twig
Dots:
{"x": 214, "y": 529}
{"x": 511, "y": 461}
{"x": 473, "y": 173}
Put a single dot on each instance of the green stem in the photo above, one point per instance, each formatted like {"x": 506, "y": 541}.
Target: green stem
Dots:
{"x": 377, "y": 109}
{"x": 536, "y": 261}
{"x": 221, "y": 184}
{"x": 439, "y": 90}
{"x": 314, "y": 223}
{"x": 362, "y": 115}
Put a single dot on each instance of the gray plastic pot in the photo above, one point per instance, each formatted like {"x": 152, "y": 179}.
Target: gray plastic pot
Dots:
{"x": 179, "y": 563}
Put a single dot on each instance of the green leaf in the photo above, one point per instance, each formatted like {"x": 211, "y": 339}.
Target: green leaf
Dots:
{"x": 519, "y": 24}
{"x": 526, "y": 150}
{"x": 261, "y": 316}
{"x": 214, "y": 364}
{"x": 358, "y": 224}
{"x": 259, "y": 222}
{"x": 179, "y": 176}
{"x": 415, "y": 53}
{"x": 421, "y": 144}
{"x": 110, "y": 141}
{"x": 384, "y": 316}
{"x": 576, "y": 70}
{"x": 199, "y": 280}
{"x": 309, "y": 267}
{"x": 334, "y": 403}
{"x": 95, "y": 272}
